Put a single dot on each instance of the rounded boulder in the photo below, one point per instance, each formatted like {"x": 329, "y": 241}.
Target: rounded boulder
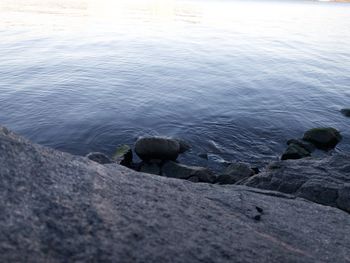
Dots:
{"x": 323, "y": 138}
{"x": 162, "y": 148}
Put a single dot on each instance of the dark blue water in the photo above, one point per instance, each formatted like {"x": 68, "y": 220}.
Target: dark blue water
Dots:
{"x": 236, "y": 79}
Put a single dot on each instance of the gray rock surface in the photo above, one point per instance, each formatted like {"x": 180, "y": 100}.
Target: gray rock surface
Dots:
{"x": 192, "y": 173}
{"x": 235, "y": 172}
{"x": 56, "y": 207}
{"x": 162, "y": 148}
{"x": 325, "y": 181}
{"x": 323, "y": 138}
{"x": 98, "y": 157}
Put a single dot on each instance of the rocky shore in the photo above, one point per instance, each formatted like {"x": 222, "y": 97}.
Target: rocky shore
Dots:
{"x": 56, "y": 207}
{"x": 159, "y": 154}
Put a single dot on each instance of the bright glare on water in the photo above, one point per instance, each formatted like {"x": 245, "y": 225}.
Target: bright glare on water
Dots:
{"x": 237, "y": 79}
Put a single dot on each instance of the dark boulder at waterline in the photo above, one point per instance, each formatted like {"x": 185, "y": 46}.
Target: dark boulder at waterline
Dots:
{"x": 235, "y": 172}
{"x": 56, "y": 207}
{"x": 162, "y": 148}
{"x": 98, "y": 157}
{"x": 323, "y": 138}
{"x": 345, "y": 112}
{"x": 192, "y": 173}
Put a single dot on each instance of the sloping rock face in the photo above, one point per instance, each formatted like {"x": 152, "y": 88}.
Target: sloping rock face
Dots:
{"x": 325, "y": 181}
{"x": 56, "y": 207}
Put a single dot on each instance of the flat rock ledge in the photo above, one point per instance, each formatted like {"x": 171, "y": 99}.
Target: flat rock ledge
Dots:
{"x": 56, "y": 207}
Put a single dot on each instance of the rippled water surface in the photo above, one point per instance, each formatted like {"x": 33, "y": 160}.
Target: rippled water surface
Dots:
{"x": 234, "y": 78}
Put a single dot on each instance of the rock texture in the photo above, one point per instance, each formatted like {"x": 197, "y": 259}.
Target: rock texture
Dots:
{"x": 56, "y": 207}
{"x": 325, "y": 181}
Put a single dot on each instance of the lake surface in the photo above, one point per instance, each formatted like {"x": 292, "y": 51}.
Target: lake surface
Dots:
{"x": 237, "y": 79}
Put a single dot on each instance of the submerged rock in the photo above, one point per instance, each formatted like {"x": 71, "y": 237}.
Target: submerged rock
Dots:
{"x": 295, "y": 151}
{"x": 345, "y": 112}
{"x": 323, "y": 138}
{"x": 192, "y": 173}
{"x": 123, "y": 155}
{"x": 304, "y": 144}
{"x": 235, "y": 172}
{"x": 162, "y": 148}
{"x": 98, "y": 157}
{"x": 325, "y": 181}
{"x": 56, "y": 207}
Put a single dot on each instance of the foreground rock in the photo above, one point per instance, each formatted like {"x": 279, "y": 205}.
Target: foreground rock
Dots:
{"x": 56, "y": 207}
{"x": 325, "y": 181}
{"x": 148, "y": 148}
{"x": 234, "y": 173}
{"x": 323, "y": 138}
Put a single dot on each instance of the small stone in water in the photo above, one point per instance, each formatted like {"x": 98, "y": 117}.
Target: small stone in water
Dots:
{"x": 346, "y": 112}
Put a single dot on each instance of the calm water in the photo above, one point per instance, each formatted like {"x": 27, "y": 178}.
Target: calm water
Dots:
{"x": 235, "y": 78}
